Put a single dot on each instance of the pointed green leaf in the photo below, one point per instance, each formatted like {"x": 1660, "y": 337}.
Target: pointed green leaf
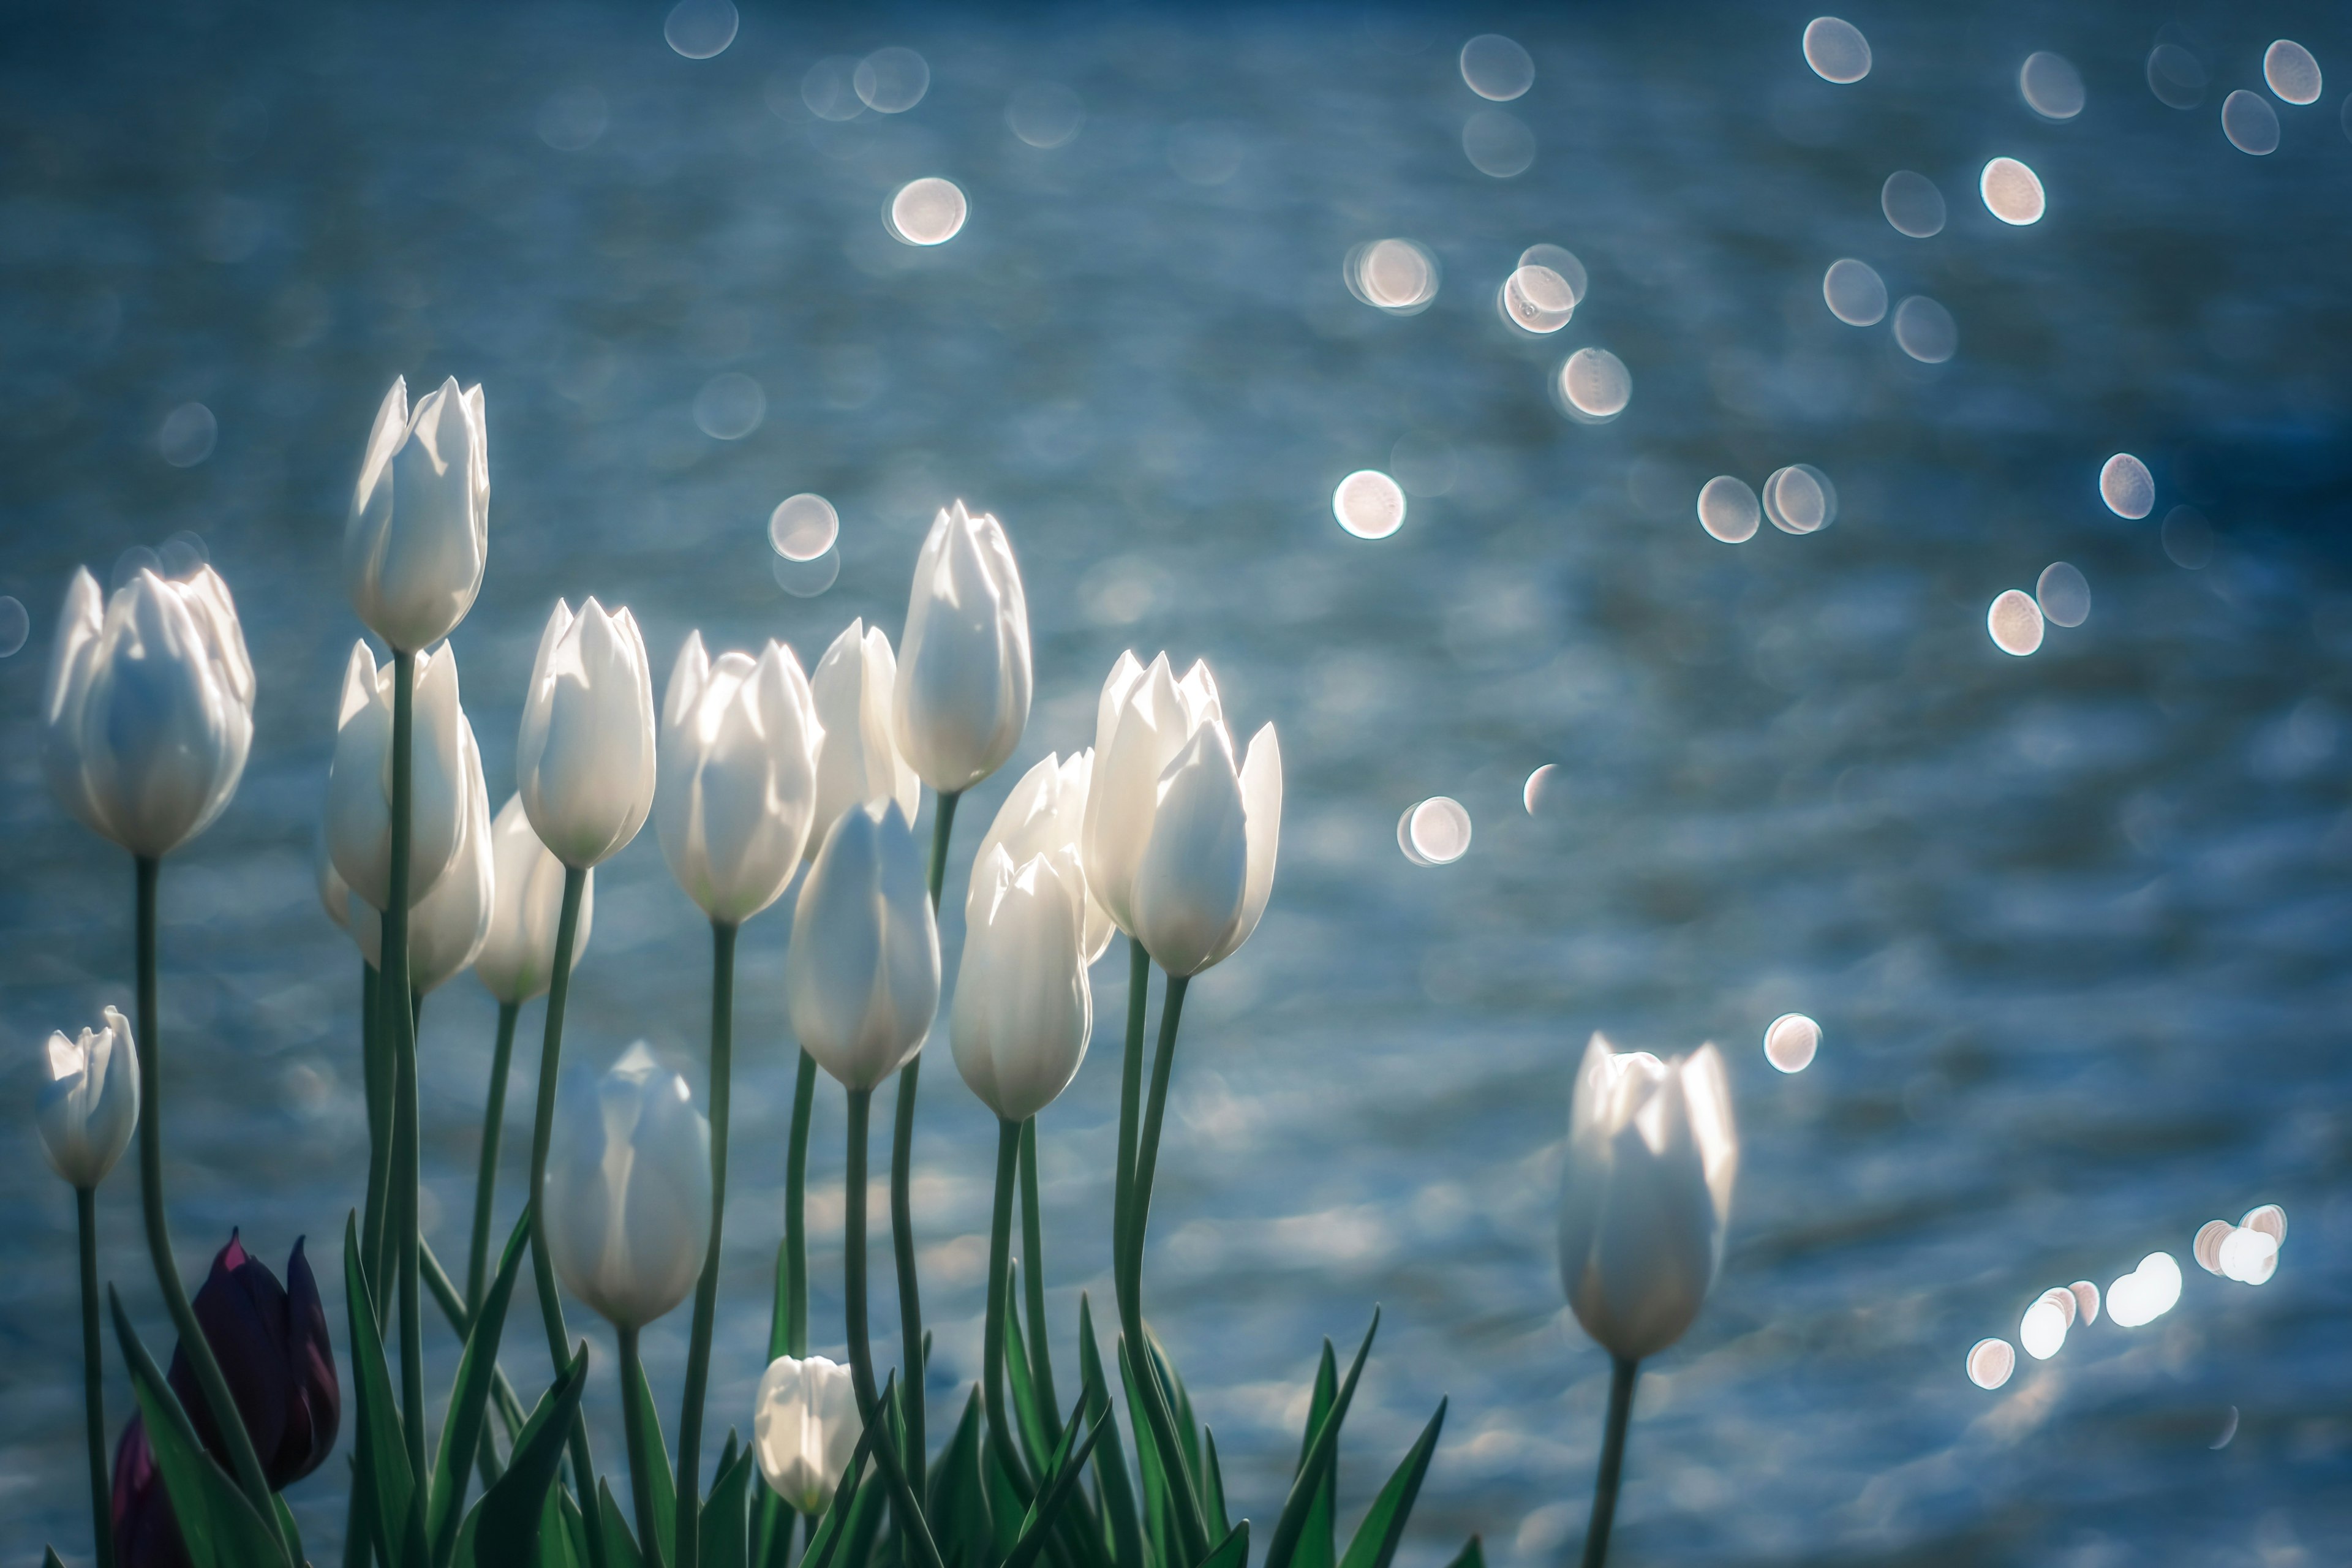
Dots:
{"x": 1376, "y": 1538}
{"x": 1158, "y": 1527}
{"x": 620, "y": 1546}
{"x": 462, "y": 1429}
{"x": 770, "y": 1520}
{"x": 1029, "y": 1415}
{"x": 49, "y": 1558}
{"x": 508, "y": 1517}
{"x": 642, "y": 1414}
{"x": 1179, "y": 1404}
{"x": 958, "y": 1502}
{"x": 215, "y": 1522}
{"x": 726, "y": 1516}
{"x": 285, "y": 1530}
{"x": 1123, "y": 1523}
{"x": 575, "y": 1553}
{"x": 1060, "y": 1481}
{"x": 1318, "y": 1541}
{"x": 1282, "y": 1550}
{"x": 1213, "y": 1485}
{"x": 1472, "y": 1555}
{"x": 383, "y": 1453}
{"x": 1233, "y": 1552}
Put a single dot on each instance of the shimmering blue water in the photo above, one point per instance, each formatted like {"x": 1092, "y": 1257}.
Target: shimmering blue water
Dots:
{"x": 2073, "y": 925}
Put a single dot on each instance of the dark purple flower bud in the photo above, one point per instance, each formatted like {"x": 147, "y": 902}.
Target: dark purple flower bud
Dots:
{"x": 273, "y": 1350}
{"x": 146, "y": 1535}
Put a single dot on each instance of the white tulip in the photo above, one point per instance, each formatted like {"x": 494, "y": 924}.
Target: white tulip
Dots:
{"x": 1180, "y": 844}
{"x": 447, "y": 926}
{"x": 1023, "y": 1006}
{"x": 1047, "y": 815}
{"x": 89, "y": 1104}
{"x": 1652, "y": 1157}
{"x": 517, "y": 957}
{"x": 963, "y": 688}
{"x": 859, "y": 759}
{"x": 148, "y": 713}
{"x": 862, "y": 978}
{"x": 804, "y": 1427}
{"x": 359, "y": 779}
{"x": 738, "y": 770}
{"x": 586, "y": 757}
{"x": 628, "y": 1190}
{"x": 419, "y": 530}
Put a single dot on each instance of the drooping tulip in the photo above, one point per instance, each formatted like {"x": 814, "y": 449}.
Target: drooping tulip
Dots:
{"x": 419, "y": 530}
{"x": 1023, "y": 1006}
{"x": 858, "y": 761}
{"x": 1652, "y": 1157}
{"x": 1047, "y": 815}
{"x": 447, "y": 926}
{"x": 586, "y": 758}
{"x": 804, "y": 1429}
{"x": 1180, "y": 844}
{"x": 146, "y": 1533}
{"x": 862, "y": 978}
{"x": 738, "y": 787}
{"x": 963, "y": 688}
{"x": 517, "y": 957}
{"x": 272, "y": 1345}
{"x": 359, "y": 779}
{"x": 89, "y": 1104}
{"x": 148, "y": 710}
{"x": 628, "y": 1189}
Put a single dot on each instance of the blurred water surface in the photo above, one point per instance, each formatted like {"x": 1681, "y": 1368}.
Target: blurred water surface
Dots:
{"x": 2073, "y": 924}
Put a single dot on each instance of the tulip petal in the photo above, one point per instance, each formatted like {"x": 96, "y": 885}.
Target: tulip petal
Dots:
{"x": 1192, "y": 886}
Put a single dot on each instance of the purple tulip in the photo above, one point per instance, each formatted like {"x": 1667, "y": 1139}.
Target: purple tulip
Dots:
{"x": 145, "y": 1534}
{"x": 272, "y": 1346}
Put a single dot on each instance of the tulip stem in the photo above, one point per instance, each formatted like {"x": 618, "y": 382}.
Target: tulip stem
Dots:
{"x": 542, "y": 1267}
{"x": 375, "y": 1065}
{"x": 399, "y": 1005}
{"x": 1000, "y": 1270}
{"x": 641, "y": 1479}
{"x": 227, "y": 1418}
{"x": 93, "y": 1377}
{"x": 788, "y": 1328}
{"x": 485, "y": 1178}
{"x": 1621, "y": 1372}
{"x": 1033, "y": 1252}
{"x": 706, "y": 1292}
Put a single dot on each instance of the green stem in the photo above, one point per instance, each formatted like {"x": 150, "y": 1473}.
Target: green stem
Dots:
{"x": 861, "y": 1350}
{"x": 1032, "y": 1251}
{"x": 641, "y": 1478}
{"x": 376, "y": 1065}
{"x": 93, "y": 1378}
{"x": 788, "y": 1327}
{"x": 1131, "y": 1107}
{"x": 198, "y": 1349}
{"x": 706, "y": 1293}
{"x": 942, "y": 824}
{"x": 1147, "y": 1158}
{"x": 399, "y": 1005}
{"x": 1000, "y": 1270}
{"x": 1621, "y": 1371}
{"x": 485, "y": 1178}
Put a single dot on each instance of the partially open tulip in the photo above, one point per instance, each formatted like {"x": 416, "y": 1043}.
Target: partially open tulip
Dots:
{"x": 862, "y": 978}
{"x": 146, "y": 1533}
{"x": 419, "y": 530}
{"x": 89, "y": 1104}
{"x": 272, "y": 1345}
{"x": 359, "y": 779}
{"x": 1023, "y": 1006}
{"x": 447, "y": 926}
{"x": 858, "y": 760}
{"x": 1652, "y": 1157}
{"x": 963, "y": 668}
{"x": 148, "y": 712}
{"x": 738, "y": 787}
{"x": 586, "y": 758}
{"x": 517, "y": 957}
{"x": 1180, "y": 843}
{"x": 804, "y": 1428}
{"x": 1047, "y": 815}
{"x": 628, "y": 1190}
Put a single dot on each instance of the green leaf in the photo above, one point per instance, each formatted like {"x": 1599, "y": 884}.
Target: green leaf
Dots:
{"x": 507, "y": 1521}
{"x": 620, "y": 1546}
{"x": 1005, "y": 1507}
{"x": 770, "y": 1518}
{"x": 1472, "y": 1555}
{"x": 1159, "y": 1527}
{"x": 383, "y": 1453}
{"x": 49, "y": 1558}
{"x": 647, "y": 1421}
{"x": 957, "y": 1503}
{"x": 726, "y": 1516}
{"x": 462, "y": 1429}
{"x": 1036, "y": 1441}
{"x": 1125, "y": 1526}
{"x": 1317, "y": 1546}
{"x": 1233, "y": 1552}
{"x": 293, "y": 1537}
{"x": 1213, "y": 1485}
{"x": 1179, "y": 1404}
{"x": 1058, "y": 1483}
{"x": 844, "y": 1513}
{"x": 1376, "y": 1538}
{"x": 574, "y": 1551}
{"x": 1321, "y": 1454}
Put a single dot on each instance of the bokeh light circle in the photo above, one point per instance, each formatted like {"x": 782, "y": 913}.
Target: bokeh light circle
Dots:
{"x": 1369, "y": 504}
{"x": 699, "y": 29}
{"x": 1542, "y": 789}
{"x": 1435, "y": 832}
{"x": 1045, "y": 114}
{"x": 2012, "y": 193}
{"x": 803, "y": 527}
{"x": 1926, "y": 331}
{"x": 1836, "y": 50}
{"x": 891, "y": 81}
{"x": 1728, "y": 510}
{"x": 2127, "y": 486}
{"x": 1790, "y": 1041}
{"x": 806, "y": 579}
{"x": 1596, "y": 383}
{"x": 929, "y": 211}
{"x": 2291, "y": 72}
{"x": 188, "y": 434}
{"x": 1537, "y": 300}
{"x": 730, "y": 406}
{"x": 1912, "y": 203}
{"x": 16, "y": 626}
{"x": 2015, "y": 623}
{"x": 1393, "y": 275}
{"x": 1559, "y": 259}
{"x": 2053, "y": 88}
{"x": 1990, "y": 1363}
{"x": 2251, "y": 123}
{"x": 1855, "y": 293}
{"x": 1497, "y": 68}
{"x": 2063, "y": 594}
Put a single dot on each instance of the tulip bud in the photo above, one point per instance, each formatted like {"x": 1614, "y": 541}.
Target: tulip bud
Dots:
{"x": 1180, "y": 844}
{"x": 90, "y": 1103}
{"x": 359, "y": 779}
{"x": 804, "y": 1428}
{"x": 517, "y": 957}
{"x": 1045, "y": 815}
{"x": 1652, "y": 1157}
{"x": 738, "y": 763}
{"x": 146, "y": 1533}
{"x": 420, "y": 525}
{"x": 862, "y": 978}
{"x": 962, "y": 697}
{"x": 148, "y": 712}
{"x": 272, "y": 1345}
{"x": 858, "y": 760}
{"x": 628, "y": 1190}
{"x": 447, "y": 926}
{"x": 1023, "y": 1006}
{"x": 586, "y": 758}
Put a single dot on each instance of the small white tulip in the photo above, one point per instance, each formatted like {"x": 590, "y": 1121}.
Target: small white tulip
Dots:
{"x": 447, "y": 926}
{"x": 859, "y": 759}
{"x": 1023, "y": 1006}
{"x": 359, "y": 779}
{"x": 148, "y": 711}
{"x": 517, "y": 957}
{"x": 963, "y": 690}
{"x": 419, "y": 530}
{"x": 89, "y": 1104}
{"x": 804, "y": 1427}
{"x": 1652, "y": 1157}
{"x": 862, "y": 978}
{"x": 738, "y": 786}
{"x": 628, "y": 1190}
{"x": 1045, "y": 815}
{"x": 585, "y": 759}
